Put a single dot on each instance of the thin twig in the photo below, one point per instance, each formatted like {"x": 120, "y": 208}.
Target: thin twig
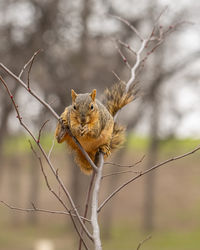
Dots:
{"x": 115, "y": 74}
{"x": 121, "y": 172}
{"x": 129, "y": 25}
{"x": 125, "y": 166}
{"x": 145, "y": 172}
{"x": 40, "y": 131}
{"x": 31, "y": 64}
{"x": 52, "y": 146}
{"x": 127, "y": 46}
{"x": 30, "y": 91}
{"x": 29, "y": 61}
{"x": 35, "y": 209}
{"x": 122, "y": 56}
{"x": 143, "y": 241}
{"x": 159, "y": 16}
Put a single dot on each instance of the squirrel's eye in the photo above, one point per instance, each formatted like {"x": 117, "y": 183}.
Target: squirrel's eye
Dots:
{"x": 91, "y": 107}
{"x": 75, "y": 107}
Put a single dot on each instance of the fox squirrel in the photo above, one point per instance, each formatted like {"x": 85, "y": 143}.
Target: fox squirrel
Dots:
{"x": 92, "y": 123}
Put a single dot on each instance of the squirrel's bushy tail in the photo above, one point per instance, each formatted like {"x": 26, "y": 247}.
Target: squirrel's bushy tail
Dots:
{"x": 118, "y": 136}
{"x": 116, "y": 97}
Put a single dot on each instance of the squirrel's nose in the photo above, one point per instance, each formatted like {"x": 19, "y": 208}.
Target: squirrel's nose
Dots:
{"x": 83, "y": 119}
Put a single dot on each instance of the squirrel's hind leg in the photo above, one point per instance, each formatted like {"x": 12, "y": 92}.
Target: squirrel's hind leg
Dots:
{"x": 83, "y": 163}
{"x": 105, "y": 149}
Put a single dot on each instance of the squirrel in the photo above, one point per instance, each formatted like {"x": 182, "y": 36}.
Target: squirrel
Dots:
{"x": 92, "y": 123}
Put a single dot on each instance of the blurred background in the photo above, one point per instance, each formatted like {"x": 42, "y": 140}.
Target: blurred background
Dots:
{"x": 78, "y": 52}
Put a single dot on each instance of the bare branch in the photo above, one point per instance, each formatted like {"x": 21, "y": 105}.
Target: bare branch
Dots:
{"x": 159, "y": 16}
{"x": 29, "y": 62}
{"x": 145, "y": 172}
{"x": 52, "y": 146}
{"x": 125, "y": 166}
{"x": 121, "y": 172}
{"x": 127, "y": 46}
{"x": 136, "y": 65}
{"x": 116, "y": 76}
{"x": 143, "y": 241}
{"x": 30, "y": 91}
{"x": 94, "y": 205}
{"x": 122, "y": 56}
{"x": 40, "y": 131}
{"x": 144, "y": 45}
{"x": 35, "y": 209}
{"x": 129, "y": 25}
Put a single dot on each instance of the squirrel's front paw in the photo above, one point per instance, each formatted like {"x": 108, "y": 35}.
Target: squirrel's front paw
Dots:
{"x": 64, "y": 122}
{"x": 105, "y": 149}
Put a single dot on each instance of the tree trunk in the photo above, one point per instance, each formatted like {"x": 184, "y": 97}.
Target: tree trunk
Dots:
{"x": 34, "y": 187}
{"x": 150, "y": 178}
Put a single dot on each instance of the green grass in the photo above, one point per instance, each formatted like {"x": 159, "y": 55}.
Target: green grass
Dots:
{"x": 25, "y": 236}
{"x": 165, "y": 145}
{"x": 21, "y": 143}
{"x": 127, "y": 238}
{"x": 137, "y": 142}
{"x": 123, "y": 237}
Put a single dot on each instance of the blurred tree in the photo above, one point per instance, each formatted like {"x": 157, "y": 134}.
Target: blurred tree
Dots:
{"x": 34, "y": 187}
{"x": 78, "y": 53}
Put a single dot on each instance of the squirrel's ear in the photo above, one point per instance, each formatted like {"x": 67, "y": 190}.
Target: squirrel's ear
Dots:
{"x": 93, "y": 94}
{"x": 74, "y": 95}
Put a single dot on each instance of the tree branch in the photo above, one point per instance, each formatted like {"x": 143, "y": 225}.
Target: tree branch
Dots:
{"x": 143, "y": 241}
{"x": 120, "y": 172}
{"x": 31, "y": 63}
{"x": 94, "y": 205}
{"x": 35, "y": 209}
{"x": 125, "y": 166}
{"x": 146, "y": 172}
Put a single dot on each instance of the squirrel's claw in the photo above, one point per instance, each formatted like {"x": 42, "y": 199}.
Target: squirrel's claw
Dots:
{"x": 64, "y": 122}
{"x": 105, "y": 149}
{"x": 61, "y": 130}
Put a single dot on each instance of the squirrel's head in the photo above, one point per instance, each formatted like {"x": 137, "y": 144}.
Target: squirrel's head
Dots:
{"x": 84, "y": 107}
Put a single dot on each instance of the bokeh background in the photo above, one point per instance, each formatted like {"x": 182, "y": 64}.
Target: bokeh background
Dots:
{"x": 78, "y": 52}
